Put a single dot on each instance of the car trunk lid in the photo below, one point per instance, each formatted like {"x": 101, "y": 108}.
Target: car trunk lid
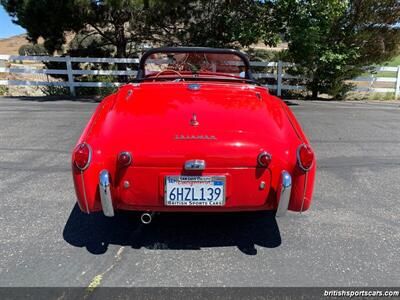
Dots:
{"x": 223, "y": 124}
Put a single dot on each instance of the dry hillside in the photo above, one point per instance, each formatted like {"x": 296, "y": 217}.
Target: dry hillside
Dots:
{"x": 11, "y": 45}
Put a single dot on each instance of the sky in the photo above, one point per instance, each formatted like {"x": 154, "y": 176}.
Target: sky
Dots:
{"x": 8, "y": 28}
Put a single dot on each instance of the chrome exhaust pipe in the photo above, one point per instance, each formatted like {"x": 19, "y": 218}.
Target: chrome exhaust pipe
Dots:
{"x": 146, "y": 218}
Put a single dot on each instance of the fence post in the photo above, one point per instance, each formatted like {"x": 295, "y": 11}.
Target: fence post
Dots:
{"x": 279, "y": 79}
{"x": 70, "y": 76}
{"x": 396, "y": 95}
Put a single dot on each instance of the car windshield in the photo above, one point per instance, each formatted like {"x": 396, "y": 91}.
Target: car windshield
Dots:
{"x": 212, "y": 63}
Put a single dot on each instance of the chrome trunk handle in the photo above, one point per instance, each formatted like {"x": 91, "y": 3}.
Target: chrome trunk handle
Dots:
{"x": 195, "y": 164}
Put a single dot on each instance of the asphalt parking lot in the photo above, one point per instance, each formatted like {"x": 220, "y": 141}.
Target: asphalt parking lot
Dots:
{"x": 350, "y": 237}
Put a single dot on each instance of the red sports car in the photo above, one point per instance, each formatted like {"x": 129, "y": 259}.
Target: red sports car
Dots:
{"x": 194, "y": 132}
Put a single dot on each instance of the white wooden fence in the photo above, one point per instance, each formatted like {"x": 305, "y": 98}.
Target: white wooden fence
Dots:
{"x": 278, "y": 73}
{"x": 372, "y": 79}
{"x": 69, "y": 71}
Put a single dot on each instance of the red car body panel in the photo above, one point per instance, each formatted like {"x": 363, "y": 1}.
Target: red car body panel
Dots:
{"x": 152, "y": 120}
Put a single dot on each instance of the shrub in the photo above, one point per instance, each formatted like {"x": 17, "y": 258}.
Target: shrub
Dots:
{"x": 55, "y": 91}
{"x": 96, "y": 91}
{"x": 3, "y": 90}
{"x": 30, "y": 49}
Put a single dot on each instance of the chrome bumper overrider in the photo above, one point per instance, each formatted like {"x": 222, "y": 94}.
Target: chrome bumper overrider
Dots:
{"x": 286, "y": 188}
{"x": 105, "y": 194}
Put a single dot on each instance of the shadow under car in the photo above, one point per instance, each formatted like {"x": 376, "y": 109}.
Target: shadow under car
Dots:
{"x": 179, "y": 231}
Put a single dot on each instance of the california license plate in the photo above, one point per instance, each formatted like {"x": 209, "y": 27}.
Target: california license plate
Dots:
{"x": 195, "y": 190}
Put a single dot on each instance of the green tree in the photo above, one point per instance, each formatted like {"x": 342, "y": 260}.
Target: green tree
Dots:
{"x": 44, "y": 18}
{"x": 121, "y": 28}
{"x": 126, "y": 24}
{"x": 229, "y": 23}
{"x": 332, "y": 40}
{"x": 111, "y": 21}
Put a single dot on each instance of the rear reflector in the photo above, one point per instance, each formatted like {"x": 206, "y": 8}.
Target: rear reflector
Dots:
{"x": 82, "y": 156}
{"x": 124, "y": 159}
{"x": 264, "y": 159}
{"x": 305, "y": 157}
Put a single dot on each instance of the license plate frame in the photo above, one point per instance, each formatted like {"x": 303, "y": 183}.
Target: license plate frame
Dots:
{"x": 211, "y": 179}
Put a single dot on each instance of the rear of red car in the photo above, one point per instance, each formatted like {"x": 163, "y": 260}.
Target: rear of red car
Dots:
{"x": 184, "y": 146}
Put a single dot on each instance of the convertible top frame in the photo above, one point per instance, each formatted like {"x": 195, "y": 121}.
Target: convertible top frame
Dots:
{"x": 148, "y": 53}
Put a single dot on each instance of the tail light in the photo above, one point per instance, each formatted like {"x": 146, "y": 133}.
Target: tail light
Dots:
{"x": 82, "y": 156}
{"x": 264, "y": 159}
{"x": 305, "y": 157}
{"x": 124, "y": 159}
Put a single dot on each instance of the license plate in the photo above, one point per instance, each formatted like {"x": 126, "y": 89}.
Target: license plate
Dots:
{"x": 195, "y": 190}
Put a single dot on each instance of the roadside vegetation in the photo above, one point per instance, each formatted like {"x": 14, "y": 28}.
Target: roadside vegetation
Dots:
{"x": 329, "y": 40}
{"x": 3, "y": 90}
{"x": 356, "y": 96}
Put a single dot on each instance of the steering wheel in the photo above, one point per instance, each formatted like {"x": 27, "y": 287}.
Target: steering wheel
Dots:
{"x": 169, "y": 70}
